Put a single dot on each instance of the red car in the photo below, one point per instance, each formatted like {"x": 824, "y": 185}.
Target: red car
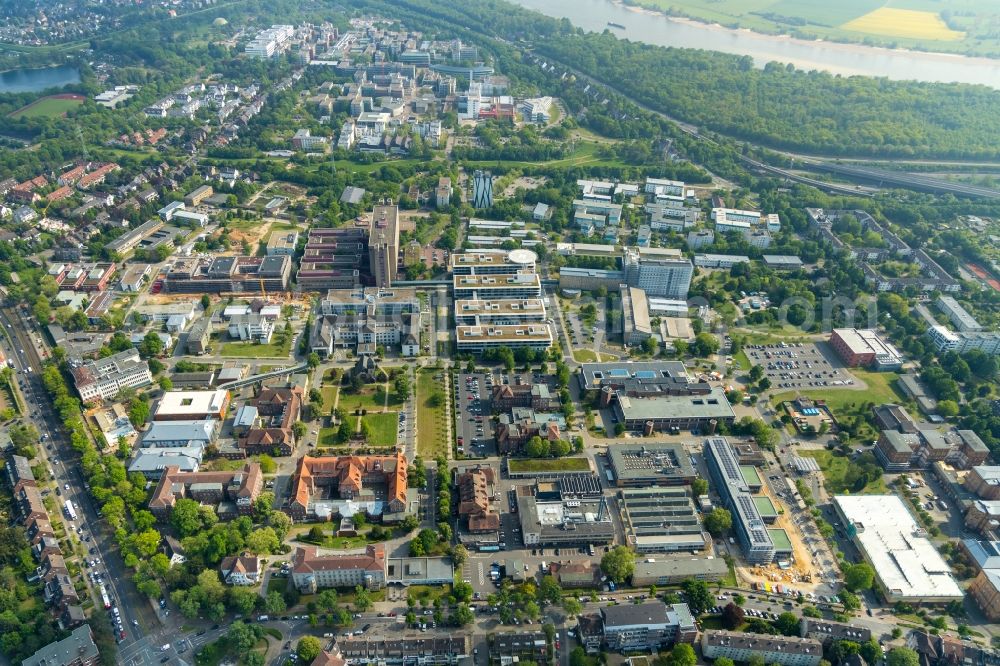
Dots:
{"x": 122, "y": 634}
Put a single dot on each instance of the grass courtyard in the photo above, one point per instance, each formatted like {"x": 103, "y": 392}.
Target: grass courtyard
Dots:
{"x": 835, "y": 468}
{"x": 279, "y": 349}
{"x": 548, "y": 465}
{"x": 381, "y": 428}
{"x": 432, "y": 428}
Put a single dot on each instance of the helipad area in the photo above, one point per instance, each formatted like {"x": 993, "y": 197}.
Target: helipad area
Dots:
{"x": 907, "y": 565}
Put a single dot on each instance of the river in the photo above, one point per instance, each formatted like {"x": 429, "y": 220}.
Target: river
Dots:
{"x": 846, "y": 59}
{"x": 34, "y": 80}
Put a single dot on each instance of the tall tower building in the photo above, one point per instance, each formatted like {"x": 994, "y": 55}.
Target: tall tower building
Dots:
{"x": 482, "y": 189}
{"x": 383, "y": 245}
{"x": 659, "y": 271}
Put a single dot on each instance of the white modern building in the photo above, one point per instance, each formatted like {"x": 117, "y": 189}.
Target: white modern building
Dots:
{"x": 958, "y": 315}
{"x": 251, "y": 328}
{"x": 477, "y": 339}
{"x": 907, "y": 565}
{"x": 104, "y": 378}
{"x": 945, "y": 340}
{"x": 270, "y": 42}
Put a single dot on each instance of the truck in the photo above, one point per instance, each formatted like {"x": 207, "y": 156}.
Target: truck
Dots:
{"x": 105, "y": 599}
{"x": 70, "y": 510}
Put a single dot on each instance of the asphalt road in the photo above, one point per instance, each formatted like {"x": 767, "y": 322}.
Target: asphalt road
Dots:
{"x": 63, "y": 461}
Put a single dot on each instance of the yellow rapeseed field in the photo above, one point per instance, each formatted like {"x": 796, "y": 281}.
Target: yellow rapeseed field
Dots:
{"x": 905, "y": 23}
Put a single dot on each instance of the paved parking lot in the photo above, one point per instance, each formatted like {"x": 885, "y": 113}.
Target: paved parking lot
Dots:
{"x": 472, "y": 395}
{"x": 799, "y": 365}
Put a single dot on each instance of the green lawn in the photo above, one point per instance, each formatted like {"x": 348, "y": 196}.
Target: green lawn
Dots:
{"x": 329, "y": 396}
{"x": 382, "y": 426}
{"x": 250, "y": 350}
{"x": 364, "y": 400}
{"x": 741, "y": 360}
{"x": 834, "y": 468}
{"x": 548, "y": 465}
{"x": 843, "y": 400}
{"x": 327, "y": 437}
{"x": 424, "y": 595}
{"x": 590, "y": 356}
{"x": 432, "y": 429}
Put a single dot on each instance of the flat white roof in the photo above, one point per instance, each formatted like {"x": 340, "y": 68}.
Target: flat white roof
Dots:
{"x": 192, "y": 402}
{"x": 905, "y": 561}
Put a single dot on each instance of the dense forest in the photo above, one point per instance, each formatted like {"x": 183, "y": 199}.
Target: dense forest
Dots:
{"x": 777, "y": 106}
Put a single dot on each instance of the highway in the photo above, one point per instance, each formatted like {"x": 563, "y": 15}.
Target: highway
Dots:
{"x": 64, "y": 463}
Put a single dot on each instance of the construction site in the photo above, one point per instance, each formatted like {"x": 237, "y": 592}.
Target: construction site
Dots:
{"x": 804, "y": 564}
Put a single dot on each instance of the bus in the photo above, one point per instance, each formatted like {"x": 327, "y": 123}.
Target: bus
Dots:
{"x": 104, "y": 597}
{"x": 70, "y": 510}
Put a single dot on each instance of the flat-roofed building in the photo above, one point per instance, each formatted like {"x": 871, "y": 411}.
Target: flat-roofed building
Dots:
{"x": 664, "y": 413}
{"x": 153, "y": 462}
{"x": 557, "y": 522}
{"x": 661, "y": 520}
{"x": 674, "y": 569}
{"x": 720, "y": 260}
{"x": 731, "y": 485}
{"x": 229, "y": 274}
{"x": 864, "y": 347}
{"x": 782, "y": 262}
{"x": 650, "y": 625}
{"x": 491, "y": 287}
{"x": 639, "y": 378}
{"x": 493, "y": 262}
{"x": 636, "y": 328}
{"x": 180, "y": 434}
{"x": 131, "y": 238}
{"x": 741, "y": 646}
{"x": 587, "y": 250}
{"x": 504, "y": 311}
{"x": 192, "y": 405}
{"x": 282, "y": 242}
{"x": 442, "y": 193}
{"x": 478, "y": 339}
{"x": 907, "y": 565}
{"x": 958, "y": 315}
{"x": 661, "y": 272}
{"x": 641, "y": 465}
{"x": 590, "y": 279}
{"x": 383, "y": 245}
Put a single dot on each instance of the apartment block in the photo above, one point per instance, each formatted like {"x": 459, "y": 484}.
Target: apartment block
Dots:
{"x": 104, "y": 378}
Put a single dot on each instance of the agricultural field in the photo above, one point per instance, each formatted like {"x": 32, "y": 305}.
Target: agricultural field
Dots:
{"x": 906, "y": 23}
{"x": 965, "y": 26}
{"x": 53, "y": 106}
